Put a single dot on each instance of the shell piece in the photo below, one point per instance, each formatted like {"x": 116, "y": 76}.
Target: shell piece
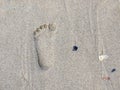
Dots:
{"x": 52, "y": 26}
{"x": 106, "y": 78}
{"x": 103, "y": 57}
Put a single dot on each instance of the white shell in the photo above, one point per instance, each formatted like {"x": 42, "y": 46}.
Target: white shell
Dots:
{"x": 103, "y": 57}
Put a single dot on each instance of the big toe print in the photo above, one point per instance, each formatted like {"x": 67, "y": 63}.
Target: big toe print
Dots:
{"x": 44, "y": 41}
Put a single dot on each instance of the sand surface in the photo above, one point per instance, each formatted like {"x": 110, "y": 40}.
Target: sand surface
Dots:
{"x": 46, "y": 60}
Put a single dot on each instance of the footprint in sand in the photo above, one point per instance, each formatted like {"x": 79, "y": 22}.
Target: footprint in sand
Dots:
{"x": 45, "y": 41}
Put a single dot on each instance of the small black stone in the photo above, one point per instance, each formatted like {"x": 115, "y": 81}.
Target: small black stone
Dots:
{"x": 113, "y": 70}
{"x": 75, "y": 48}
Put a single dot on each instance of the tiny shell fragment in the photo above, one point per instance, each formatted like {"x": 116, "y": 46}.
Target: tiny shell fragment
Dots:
{"x": 106, "y": 78}
{"x": 103, "y": 57}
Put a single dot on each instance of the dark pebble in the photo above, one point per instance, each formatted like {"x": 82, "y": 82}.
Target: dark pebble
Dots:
{"x": 75, "y": 48}
{"x": 113, "y": 70}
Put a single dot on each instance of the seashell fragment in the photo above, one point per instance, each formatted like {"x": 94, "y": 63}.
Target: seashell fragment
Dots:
{"x": 106, "y": 78}
{"x": 103, "y": 57}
